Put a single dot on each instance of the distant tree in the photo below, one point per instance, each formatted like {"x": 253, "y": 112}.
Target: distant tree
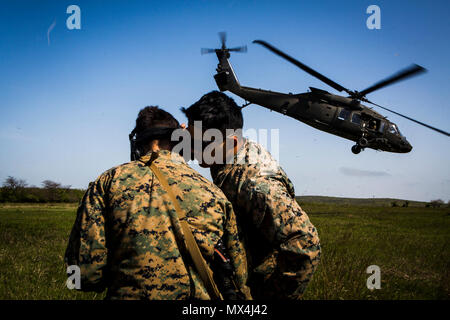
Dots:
{"x": 13, "y": 183}
{"x": 13, "y": 190}
{"x": 436, "y": 203}
{"x": 49, "y": 184}
{"x": 51, "y": 190}
{"x": 17, "y": 190}
{"x": 55, "y": 191}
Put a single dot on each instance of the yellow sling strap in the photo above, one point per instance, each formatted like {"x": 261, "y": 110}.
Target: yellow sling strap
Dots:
{"x": 191, "y": 245}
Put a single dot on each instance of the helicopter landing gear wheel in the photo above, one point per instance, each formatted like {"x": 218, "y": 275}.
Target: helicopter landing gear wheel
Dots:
{"x": 356, "y": 149}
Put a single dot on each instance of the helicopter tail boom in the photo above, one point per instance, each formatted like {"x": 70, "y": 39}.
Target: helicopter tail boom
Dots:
{"x": 225, "y": 78}
{"x": 227, "y": 81}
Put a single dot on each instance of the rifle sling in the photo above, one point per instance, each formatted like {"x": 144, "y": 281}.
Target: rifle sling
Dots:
{"x": 190, "y": 243}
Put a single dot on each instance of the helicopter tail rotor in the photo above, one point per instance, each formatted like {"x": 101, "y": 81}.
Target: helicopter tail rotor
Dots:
{"x": 207, "y": 50}
{"x": 223, "y": 48}
{"x": 242, "y": 49}
{"x": 223, "y": 39}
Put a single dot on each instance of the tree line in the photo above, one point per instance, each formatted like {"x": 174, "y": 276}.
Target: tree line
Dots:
{"x": 17, "y": 190}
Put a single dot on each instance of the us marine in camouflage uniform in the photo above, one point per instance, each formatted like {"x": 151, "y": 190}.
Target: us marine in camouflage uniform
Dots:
{"x": 283, "y": 245}
{"x": 126, "y": 237}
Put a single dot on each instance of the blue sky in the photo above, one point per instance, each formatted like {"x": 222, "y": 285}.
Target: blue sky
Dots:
{"x": 67, "y": 103}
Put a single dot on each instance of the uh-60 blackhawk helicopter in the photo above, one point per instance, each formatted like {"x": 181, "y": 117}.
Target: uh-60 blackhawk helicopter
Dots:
{"x": 342, "y": 116}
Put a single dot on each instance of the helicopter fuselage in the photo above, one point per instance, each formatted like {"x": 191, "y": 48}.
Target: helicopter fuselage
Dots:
{"x": 338, "y": 115}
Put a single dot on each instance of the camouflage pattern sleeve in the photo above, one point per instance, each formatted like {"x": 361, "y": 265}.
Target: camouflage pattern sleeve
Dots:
{"x": 87, "y": 247}
{"x": 273, "y": 210}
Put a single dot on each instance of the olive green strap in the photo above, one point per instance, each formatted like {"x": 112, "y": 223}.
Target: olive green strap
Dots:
{"x": 191, "y": 245}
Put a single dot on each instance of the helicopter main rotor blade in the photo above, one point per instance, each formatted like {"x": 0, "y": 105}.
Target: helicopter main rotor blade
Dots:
{"x": 305, "y": 68}
{"x": 401, "y": 75}
{"x": 418, "y": 122}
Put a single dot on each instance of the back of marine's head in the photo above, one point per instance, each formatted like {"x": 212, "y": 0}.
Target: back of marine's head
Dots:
{"x": 216, "y": 111}
{"x": 149, "y": 119}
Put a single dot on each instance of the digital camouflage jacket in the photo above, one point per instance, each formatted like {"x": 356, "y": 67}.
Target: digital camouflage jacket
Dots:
{"x": 282, "y": 245}
{"x": 126, "y": 237}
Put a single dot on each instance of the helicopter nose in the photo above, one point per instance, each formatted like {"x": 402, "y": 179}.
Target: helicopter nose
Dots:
{"x": 408, "y": 147}
{"x": 405, "y": 146}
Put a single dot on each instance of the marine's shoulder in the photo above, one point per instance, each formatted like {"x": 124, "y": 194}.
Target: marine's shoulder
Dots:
{"x": 253, "y": 146}
{"x": 187, "y": 178}
{"x": 199, "y": 181}
{"x": 257, "y": 158}
{"x": 127, "y": 166}
{"x": 121, "y": 169}
{"x": 266, "y": 168}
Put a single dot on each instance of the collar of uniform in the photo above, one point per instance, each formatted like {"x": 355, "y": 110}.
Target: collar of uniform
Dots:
{"x": 242, "y": 153}
{"x": 163, "y": 155}
{"x": 219, "y": 172}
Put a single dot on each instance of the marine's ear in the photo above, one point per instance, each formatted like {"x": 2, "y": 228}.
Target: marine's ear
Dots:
{"x": 231, "y": 149}
{"x": 235, "y": 143}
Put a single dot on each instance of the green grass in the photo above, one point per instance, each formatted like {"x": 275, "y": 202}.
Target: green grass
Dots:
{"x": 369, "y": 202}
{"x": 410, "y": 245}
{"x": 33, "y": 239}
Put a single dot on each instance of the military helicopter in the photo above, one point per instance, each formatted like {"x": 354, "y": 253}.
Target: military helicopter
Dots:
{"x": 342, "y": 116}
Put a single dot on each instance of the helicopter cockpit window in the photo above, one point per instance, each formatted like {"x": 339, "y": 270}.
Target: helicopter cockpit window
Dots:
{"x": 344, "y": 114}
{"x": 381, "y": 127}
{"x": 373, "y": 124}
{"x": 393, "y": 129}
{"x": 356, "y": 118}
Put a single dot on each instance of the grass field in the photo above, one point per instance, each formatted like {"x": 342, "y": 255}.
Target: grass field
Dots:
{"x": 410, "y": 245}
